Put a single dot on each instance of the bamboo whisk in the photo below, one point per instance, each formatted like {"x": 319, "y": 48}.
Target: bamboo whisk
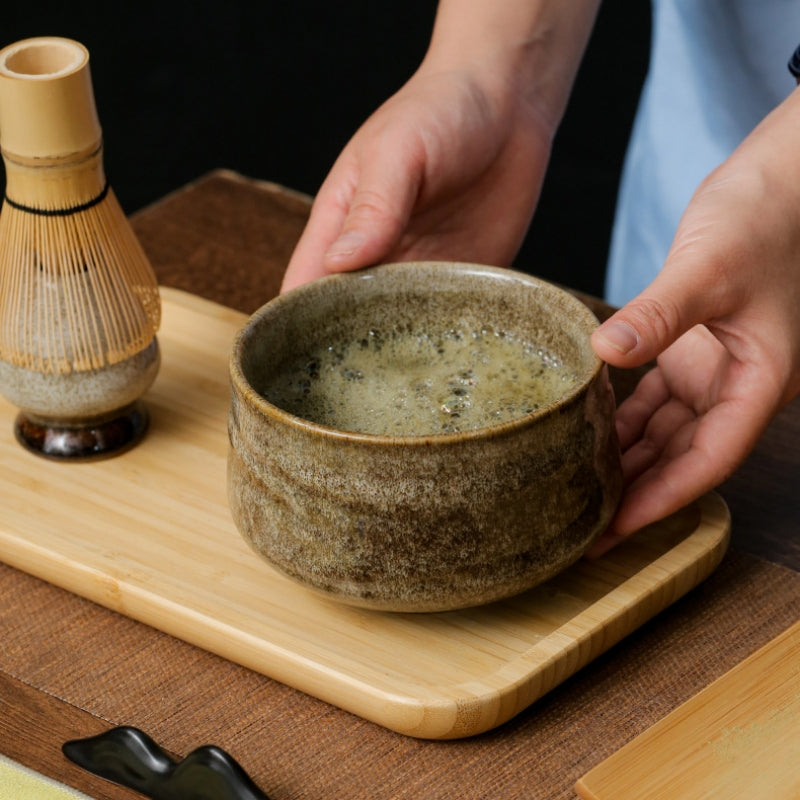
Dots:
{"x": 79, "y": 303}
{"x": 77, "y": 292}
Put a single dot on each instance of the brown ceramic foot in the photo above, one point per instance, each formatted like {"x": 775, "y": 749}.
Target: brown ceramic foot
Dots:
{"x": 82, "y": 442}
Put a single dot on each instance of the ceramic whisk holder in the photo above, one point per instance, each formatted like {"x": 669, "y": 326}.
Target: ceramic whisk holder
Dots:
{"x": 79, "y": 303}
{"x": 81, "y": 415}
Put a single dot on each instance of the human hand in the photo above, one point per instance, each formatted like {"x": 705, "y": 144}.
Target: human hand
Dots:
{"x": 450, "y": 167}
{"x": 722, "y": 320}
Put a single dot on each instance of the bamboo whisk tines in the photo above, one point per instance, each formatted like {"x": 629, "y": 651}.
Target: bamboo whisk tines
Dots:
{"x": 72, "y": 295}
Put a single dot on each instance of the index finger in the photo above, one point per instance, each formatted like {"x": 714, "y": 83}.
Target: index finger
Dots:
{"x": 324, "y": 225}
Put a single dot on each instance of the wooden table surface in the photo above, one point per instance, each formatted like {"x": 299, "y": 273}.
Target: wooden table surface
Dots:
{"x": 228, "y": 238}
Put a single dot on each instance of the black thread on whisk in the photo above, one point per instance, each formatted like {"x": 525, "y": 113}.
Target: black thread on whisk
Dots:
{"x": 60, "y": 212}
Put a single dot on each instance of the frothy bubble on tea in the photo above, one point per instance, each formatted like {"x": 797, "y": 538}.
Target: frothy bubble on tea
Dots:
{"x": 409, "y": 383}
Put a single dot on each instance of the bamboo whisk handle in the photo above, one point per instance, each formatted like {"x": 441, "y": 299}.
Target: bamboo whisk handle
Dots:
{"x": 47, "y": 107}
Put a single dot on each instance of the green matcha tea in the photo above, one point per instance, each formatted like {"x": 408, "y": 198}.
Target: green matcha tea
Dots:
{"x": 409, "y": 384}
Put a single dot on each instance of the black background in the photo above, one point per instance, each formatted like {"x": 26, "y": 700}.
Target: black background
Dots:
{"x": 275, "y": 89}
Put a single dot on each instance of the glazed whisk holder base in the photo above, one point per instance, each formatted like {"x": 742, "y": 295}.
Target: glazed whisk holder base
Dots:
{"x": 83, "y": 440}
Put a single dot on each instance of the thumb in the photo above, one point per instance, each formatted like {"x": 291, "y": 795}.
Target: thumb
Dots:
{"x": 650, "y": 323}
{"x": 704, "y": 278}
{"x": 381, "y": 206}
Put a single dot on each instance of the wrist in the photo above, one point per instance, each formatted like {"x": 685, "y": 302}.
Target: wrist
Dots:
{"x": 519, "y": 51}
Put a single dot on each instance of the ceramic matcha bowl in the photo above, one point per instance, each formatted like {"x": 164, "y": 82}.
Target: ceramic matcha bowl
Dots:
{"x": 415, "y": 510}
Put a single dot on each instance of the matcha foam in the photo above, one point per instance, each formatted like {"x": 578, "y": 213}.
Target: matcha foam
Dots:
{"x": 416, "y": 384}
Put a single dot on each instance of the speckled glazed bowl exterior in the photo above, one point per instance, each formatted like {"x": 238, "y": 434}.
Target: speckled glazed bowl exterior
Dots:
{"x": 422, "y": 523}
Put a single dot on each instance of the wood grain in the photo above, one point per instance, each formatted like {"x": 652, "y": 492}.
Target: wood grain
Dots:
{"x": 738, "y": 738}
{"x": 34, "y": 725}
{"x": 149, "y": 534}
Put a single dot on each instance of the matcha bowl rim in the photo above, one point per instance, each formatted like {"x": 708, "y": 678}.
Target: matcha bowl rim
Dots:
{"x": 276, "y": 305}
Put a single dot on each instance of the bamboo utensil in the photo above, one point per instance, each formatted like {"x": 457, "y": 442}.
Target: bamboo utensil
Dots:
{"x": 738, "y": 738}
{"x": 79, "y": 303}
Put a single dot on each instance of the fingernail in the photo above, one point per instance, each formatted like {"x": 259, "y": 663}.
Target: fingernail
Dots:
{"x": 619, "y": 335}
{"x": 345, "y": 245}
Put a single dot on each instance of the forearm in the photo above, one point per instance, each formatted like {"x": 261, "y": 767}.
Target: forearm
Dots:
{"x": 532, "y": 48}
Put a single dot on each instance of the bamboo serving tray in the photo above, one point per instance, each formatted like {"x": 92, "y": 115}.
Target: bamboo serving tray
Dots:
{"x": 149, "y": 534}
